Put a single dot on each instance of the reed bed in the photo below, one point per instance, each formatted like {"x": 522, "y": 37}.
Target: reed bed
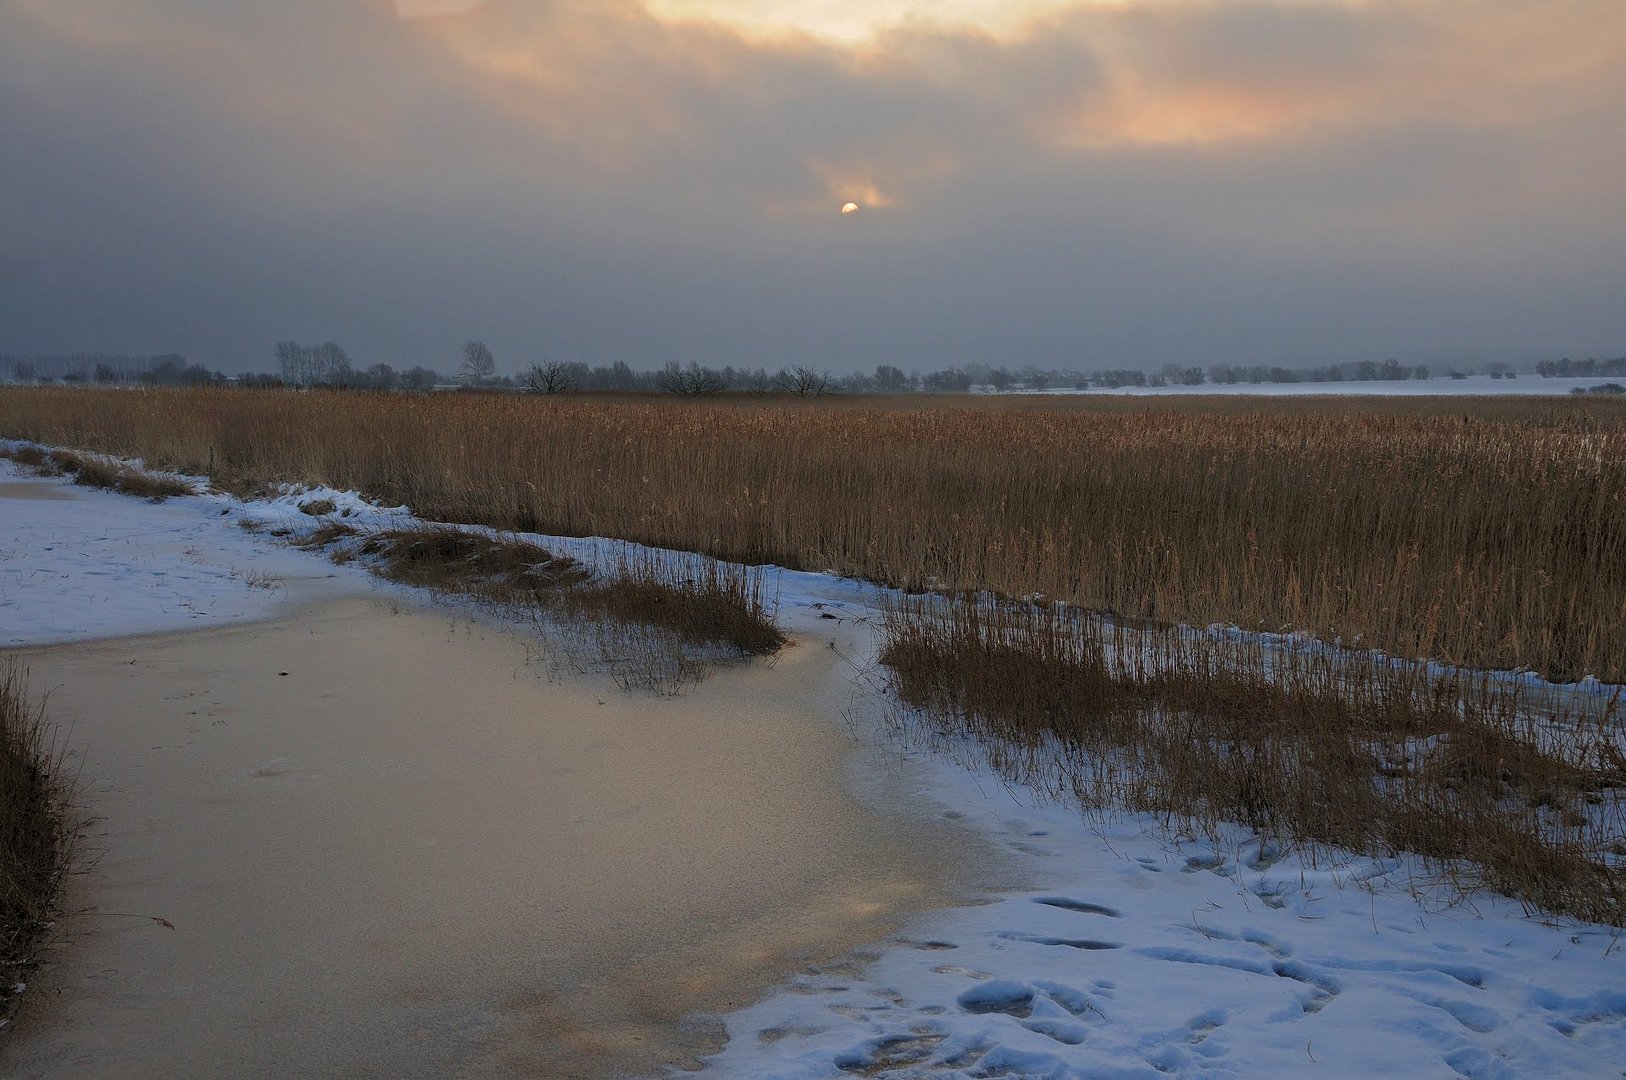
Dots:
{"x": 1485, "y": 533}
{"x": 1072, "y": 563}
{"x": 1493, "y": 782}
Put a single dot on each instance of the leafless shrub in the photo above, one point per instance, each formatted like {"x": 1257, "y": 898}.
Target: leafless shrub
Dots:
{"x": 552, "y": 377}
{"x": 692, "y": 381}
{"x": 805, "y": 382}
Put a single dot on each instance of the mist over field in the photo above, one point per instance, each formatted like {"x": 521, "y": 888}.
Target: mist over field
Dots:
{"x": 1066, "y": 185}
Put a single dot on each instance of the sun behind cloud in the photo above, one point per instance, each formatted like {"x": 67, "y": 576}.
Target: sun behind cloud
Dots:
{"x": 849, "y": 208}
{"x": 857, "y": 23}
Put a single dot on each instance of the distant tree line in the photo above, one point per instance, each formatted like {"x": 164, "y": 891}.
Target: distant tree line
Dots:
{"x": 328, "y": 365}
{"x": 170, "y": 369}
{"x": 1581, "y": 369}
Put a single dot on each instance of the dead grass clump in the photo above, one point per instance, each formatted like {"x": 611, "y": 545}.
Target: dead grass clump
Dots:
{"x": 329, "y": 532}
{"x": 98, "y": 472}
{"x": 699, "y": 601}
{"x": 655, "y": 621}
{"x": 1484, "y": 765}
{"x": 1296, "y": 741}
{"x": 659, "y": 621}
{"x": 318, "y": 507}
{"x": 148, "y": 486}
{"x": 86, "y": 471}
{"x": 35, "y": 837}
{"x": 27, "y": 454}
{"x": 449, "y": 560}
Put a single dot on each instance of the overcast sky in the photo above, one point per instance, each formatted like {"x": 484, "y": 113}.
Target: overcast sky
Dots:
{"x": 1067, "y": 184}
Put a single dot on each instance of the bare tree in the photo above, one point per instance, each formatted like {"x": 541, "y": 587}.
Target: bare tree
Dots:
{"x": 890, "y": 379}
{"x": 692, "y": 381}
{"x": 419, "y": 378}
{"x": 478, "y": 363}
{"x": 379, "y": 377}
{"x": 553, "y": 377}
{"x": 291, "y": 365}
{"x": 806, "y": 382}
{"x": 330, "y": 364}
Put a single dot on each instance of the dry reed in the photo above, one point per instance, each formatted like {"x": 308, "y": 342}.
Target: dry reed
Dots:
{"x": 35, "y": 837}
{"x": 1481, "y": 534}
{"x": 98, "y": 472}
{"x": 656, "y": 620}
{"x": 1496, "y": 784}
{"x": 1484, "y": 533}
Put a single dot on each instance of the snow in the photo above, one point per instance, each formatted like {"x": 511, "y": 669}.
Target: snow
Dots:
{"x": 1123, "y": 952}
{"x": 90, "y": 564}
{"x": 1139, "y": 957}
{"x": 1472, "y": 386}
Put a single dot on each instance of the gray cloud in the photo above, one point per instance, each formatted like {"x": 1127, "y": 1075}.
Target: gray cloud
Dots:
{"x": 1134, "y": 185}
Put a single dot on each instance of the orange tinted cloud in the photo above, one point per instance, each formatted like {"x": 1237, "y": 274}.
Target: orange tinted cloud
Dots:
{"x": 1037, "y": 157}
{"x": 618, "y": 80}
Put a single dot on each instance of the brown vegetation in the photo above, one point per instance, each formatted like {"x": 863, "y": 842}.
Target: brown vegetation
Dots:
{"x": 1479, "y": 532}
{"x": 91, "y": 470}
{"x": 34, "y": 834}
{"x": 1495, "y": 784}
{"x": 446, "y": 559}
{"x": 700, "y": 602}
{"x": 657, "y": 620}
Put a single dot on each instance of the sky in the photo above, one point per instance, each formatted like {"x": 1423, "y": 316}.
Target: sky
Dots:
{"x": 1078, "y": 185}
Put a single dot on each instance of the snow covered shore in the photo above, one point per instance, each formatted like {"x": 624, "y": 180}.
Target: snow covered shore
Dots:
{"x": 1127, "y": 954}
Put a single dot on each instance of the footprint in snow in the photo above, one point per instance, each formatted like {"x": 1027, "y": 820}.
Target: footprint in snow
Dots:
{"x": 1071, "y": 999}
{"x": 889, "y": 1053}
{"x": 1086, "y": 944}
{"x": 1068, "y": 1034}
{"x": 1083, "y": 907}
{"x": 998, "y": 996}
{"x": 1201, "y": 1026}
{"x": 956, "y": 969}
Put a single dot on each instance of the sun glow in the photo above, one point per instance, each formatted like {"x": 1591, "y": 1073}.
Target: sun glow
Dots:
{"x": 858, "y": 23}
{"x": 849, "y": 208}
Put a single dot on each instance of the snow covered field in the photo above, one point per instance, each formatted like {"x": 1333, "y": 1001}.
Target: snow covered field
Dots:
{"x": 1125, "y": 954}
